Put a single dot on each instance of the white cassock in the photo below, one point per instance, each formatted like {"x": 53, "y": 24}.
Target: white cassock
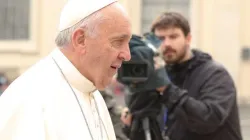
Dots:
{"x": 41, "y": 105}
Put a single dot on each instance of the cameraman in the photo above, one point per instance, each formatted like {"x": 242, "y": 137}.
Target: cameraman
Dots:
{"x": 201, "y": 97}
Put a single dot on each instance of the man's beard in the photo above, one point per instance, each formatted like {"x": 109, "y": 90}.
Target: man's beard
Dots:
{"x": 176, "y": 57}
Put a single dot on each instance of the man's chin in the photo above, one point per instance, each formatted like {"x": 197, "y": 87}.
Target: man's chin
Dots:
{"x": 170, "y": 61}
{"x": 104, "y": 84}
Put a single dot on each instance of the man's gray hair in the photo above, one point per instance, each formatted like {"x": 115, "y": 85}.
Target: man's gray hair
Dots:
{"x": 89, "y": 24}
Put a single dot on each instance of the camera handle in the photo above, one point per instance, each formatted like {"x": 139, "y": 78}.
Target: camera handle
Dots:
{"x": 145, "y": 125}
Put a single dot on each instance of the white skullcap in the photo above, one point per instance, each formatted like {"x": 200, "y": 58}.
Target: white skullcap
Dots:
{"x": 76, "y": 10}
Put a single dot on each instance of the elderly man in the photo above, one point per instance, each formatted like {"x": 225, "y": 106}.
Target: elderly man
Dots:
{"x": 57, "y": 98}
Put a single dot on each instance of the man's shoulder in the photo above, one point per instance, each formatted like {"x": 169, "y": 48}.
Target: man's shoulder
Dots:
{"x": 39, "y": 75}
{"x": 211, "y": 70}
{"x": 208, "y": 62}
{"x": 212, "y": 66}
{"x": 208, "y": 70}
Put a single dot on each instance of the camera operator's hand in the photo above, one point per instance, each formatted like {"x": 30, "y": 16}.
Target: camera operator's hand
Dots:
{"x": 159, "y": 62}
{"x": 126, "y": 117}
{"x": 161, "y": 89}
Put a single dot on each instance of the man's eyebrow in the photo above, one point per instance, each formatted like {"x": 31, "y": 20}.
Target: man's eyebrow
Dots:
{"x": 118, "y": 37}
{"x": 161, "y": 36}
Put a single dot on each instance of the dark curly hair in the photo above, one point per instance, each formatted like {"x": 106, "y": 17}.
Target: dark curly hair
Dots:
{"x": 171, "y": 20}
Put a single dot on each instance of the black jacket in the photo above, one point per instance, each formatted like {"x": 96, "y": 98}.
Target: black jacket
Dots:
{"x": 201, "y": 101}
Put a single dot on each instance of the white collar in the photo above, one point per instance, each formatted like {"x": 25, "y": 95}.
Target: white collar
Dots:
{"x": 74, "y": 77}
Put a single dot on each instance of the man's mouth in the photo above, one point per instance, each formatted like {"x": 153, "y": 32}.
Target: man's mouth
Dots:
{"x": 113, "y": 67}
{"x": 168, "y": 52}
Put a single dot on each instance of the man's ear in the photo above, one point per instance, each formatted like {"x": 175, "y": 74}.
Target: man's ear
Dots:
{"x": 78, "y": 40}
{"x": 188, "y": 38}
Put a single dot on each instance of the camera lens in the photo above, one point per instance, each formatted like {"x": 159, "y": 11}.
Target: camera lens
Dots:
{"x": 138, "y": 71}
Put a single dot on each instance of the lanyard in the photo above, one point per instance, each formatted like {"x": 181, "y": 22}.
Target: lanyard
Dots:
{"x": 100, "y": 120}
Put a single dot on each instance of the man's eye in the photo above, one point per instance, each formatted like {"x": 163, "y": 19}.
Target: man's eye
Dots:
{"x": 117, "y": 43}
{"x": 173, "y": 36}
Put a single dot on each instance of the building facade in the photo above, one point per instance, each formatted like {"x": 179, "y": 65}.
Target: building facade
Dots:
{"x": 220, "y": 27}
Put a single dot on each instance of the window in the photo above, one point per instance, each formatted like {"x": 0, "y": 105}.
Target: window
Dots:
{"x": 152, "y": 8}
{"x": 14, "y": 19}
{"x": 19, "y": 22}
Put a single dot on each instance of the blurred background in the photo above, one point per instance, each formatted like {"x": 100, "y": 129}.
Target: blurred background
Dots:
{"x": 220, "y": 27}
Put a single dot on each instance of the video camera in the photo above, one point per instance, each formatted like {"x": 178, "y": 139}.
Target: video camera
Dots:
{"x": 139, "y": 74}
{"x": 143, "y": 78}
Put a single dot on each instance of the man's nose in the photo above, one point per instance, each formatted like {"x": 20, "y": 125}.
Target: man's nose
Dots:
{"x": 125, "y": 54}
{"x": 166, "y": 42}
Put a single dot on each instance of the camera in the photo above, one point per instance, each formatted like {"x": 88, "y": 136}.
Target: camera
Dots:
{"x": 143, "y": 50}
{"x": 141, "y": 65}
{"x": 140, "y": 73}
{"x": 142, "y": 77}
{"x": 134, "y": 71}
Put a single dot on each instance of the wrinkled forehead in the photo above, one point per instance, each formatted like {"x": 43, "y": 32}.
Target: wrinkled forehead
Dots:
{"x": 115, "y": 21}
{"x": 116, "y": 27}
